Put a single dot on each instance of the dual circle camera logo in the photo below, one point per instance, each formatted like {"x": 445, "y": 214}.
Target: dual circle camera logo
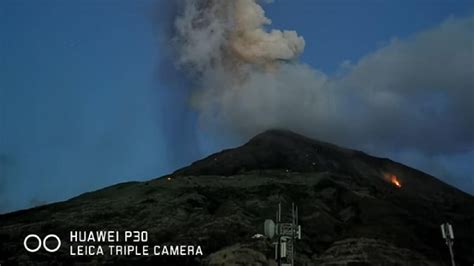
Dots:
{"x": 31, "y": 247}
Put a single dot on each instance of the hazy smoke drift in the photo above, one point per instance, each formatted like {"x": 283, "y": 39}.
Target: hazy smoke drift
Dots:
{"x": 414, "y": 94}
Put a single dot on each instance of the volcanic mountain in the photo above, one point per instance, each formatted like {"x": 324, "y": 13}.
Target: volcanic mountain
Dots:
{"x": 354, "y": 209}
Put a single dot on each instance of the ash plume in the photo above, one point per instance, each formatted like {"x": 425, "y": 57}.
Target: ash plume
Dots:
{"x": 230, "y": 35}
{"x": 411, "y": 96}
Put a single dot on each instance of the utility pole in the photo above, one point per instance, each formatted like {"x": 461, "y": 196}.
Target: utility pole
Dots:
{"x": 448, "y": 235}
{"x": 285, "y": 234}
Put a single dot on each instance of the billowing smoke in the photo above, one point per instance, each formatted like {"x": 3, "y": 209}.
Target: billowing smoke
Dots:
{"x": 229, "y": 36}
{"x": 413, "y": 96}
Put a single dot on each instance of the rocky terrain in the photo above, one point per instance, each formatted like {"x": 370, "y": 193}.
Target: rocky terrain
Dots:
{"x": 351, "y": 212}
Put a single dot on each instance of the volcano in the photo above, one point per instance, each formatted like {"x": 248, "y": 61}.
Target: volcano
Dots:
{"x": 351, "y": 210}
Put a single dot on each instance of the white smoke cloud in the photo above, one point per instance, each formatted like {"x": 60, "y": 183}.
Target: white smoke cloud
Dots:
{"x": 253, "y": 44}
{"x": 213, "y": 35}
{"x": 413, "y": 94}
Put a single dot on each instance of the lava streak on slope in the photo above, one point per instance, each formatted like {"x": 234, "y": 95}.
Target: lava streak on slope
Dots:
{"x": 393, "y": 179}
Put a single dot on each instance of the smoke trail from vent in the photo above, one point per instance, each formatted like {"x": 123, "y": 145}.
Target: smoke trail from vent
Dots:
{"x": 412, "y": 96}
{"x": 248, "y": 78}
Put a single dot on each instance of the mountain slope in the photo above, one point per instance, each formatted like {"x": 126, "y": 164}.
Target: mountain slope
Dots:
{"x": 350, "y": 212}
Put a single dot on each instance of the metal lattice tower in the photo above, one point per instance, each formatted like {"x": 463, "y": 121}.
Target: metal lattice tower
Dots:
{"x": 284, "y": 232}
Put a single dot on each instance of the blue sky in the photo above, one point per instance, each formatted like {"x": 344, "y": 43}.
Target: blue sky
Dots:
{"x": 83, "y": 105}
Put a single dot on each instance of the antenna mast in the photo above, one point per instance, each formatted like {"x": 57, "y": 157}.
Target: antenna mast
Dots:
{"x": 285, "y": 235}
{"x": 448, "y": 235}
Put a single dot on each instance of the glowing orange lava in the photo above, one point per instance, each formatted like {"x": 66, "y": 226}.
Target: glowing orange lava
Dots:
{"x": 395, "y": 181}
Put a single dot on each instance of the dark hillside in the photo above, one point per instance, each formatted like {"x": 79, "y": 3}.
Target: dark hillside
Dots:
{"x": 350, "y": 211}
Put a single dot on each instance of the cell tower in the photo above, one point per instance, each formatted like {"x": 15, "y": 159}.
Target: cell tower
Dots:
{"x": 448, "y": 235}
{"x": 285, "y": 234}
